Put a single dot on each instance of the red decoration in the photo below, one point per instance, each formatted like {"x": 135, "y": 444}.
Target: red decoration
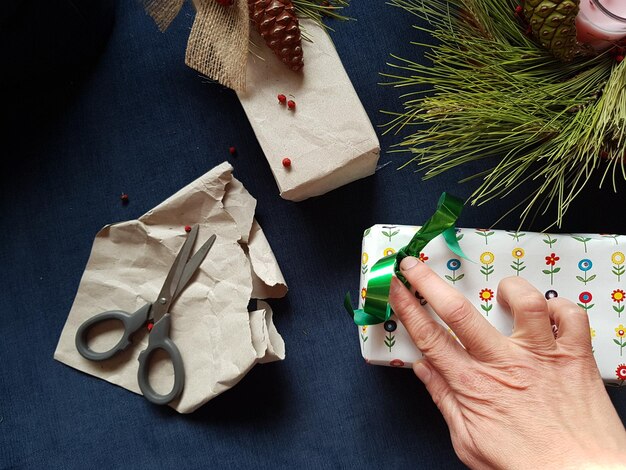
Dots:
{"x": 291, "y": 104}
{"x": 286, "y": 162}
{"x": 232, "y": 150}
{"x": 187, "y": 228}
{"x": 552, "y": 259}
{"x": 585, "y": 297}
{"x": 282, "y": 99}
{"x": 124, "y": 198}
{"x": 486, "y": 295}
{"x": 150, "y": 325}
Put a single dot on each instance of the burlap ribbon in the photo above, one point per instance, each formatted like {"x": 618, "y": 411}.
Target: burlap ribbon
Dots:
{"x": 218, "y": 42}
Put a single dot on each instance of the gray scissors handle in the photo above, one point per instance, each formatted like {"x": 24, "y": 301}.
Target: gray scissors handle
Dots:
{"x": 159, "y": 339}
{"x": 131, "y": 321}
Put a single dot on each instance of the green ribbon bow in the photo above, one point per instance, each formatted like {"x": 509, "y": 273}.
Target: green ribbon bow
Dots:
{"x": 376, "y": 308}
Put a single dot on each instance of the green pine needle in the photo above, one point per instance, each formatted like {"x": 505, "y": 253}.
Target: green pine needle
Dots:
{"x": 319, "y": 10}
{"x": 491, "y": 91}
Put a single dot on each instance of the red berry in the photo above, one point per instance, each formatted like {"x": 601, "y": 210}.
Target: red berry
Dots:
{"x": 291, "y": 104}
{"x": 232, "y": 150}
{"x": 124, "y": 197}
{"x": 286, "y": 162}
{"x": 187, "y": 228}
{"x": 619, "y": 58}
{"x": 282, "y": 98}
{"x": 518, "y": 9}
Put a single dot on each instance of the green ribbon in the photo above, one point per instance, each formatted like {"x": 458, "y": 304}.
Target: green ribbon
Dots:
{"x": 376, "y": 308}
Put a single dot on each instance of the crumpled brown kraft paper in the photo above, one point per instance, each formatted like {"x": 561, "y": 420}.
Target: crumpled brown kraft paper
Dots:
{"x": 218, "y": 338}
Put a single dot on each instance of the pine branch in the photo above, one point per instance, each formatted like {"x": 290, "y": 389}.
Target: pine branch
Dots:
{"x": 492, "y": 92}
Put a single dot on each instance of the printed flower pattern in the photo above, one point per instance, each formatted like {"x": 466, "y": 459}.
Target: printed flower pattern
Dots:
{"x": 618, "y": 264}
{"x": 390, "y": 340}
{"x": 487, "y": 259}
{"x": 549, "y": 240}
{"x": 592, "y": 334}
{"x": 585, "y": 266}
{"x": 585, "y": 299}
{"x": 364, "y": 259}
{"x": 551, "y": 294}
{"x": 419, "y": 297}
{"x": 515, "y": 235}
{"x": 486, "y": 233}
{"x": 454, "y": 265}
{"x": 551, "y": 261}
{"x": 518, "y": 264}
{"x": 582, "y": 240}
{"x": 521, "y": 250}
{"x": 390, "y": 231}
{"x": 618, "y": 297}
{"x": 364, "y": 333}
{"x": 613, "y": 236}
{"x": 620, "y": 332}
{"x": 486, "y": 295}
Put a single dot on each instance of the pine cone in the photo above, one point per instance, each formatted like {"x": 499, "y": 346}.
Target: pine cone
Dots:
{"x": 278, "y": 24}
{"x": 552, "y": 23}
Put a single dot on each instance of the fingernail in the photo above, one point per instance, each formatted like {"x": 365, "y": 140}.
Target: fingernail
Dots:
{"x": 408, "y": 263}
{"x": 422, "y": 371}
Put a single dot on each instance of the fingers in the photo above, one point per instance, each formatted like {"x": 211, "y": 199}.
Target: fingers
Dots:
{"x": 571, "y": 320}
{"x": 438, "y": 389}
{"x": 478, "y": 336}
{"x": 531, "y": 317}
{"x": 443, "y": 351}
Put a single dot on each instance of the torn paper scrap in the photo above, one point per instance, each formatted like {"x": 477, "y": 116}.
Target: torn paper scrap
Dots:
{"x": 218, "y": 338}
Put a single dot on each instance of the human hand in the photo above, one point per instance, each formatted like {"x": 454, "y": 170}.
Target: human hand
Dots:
{"x": 525, "y": 401}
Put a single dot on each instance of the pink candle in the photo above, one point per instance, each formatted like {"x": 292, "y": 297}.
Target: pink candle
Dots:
{"x": 601, "y": 23}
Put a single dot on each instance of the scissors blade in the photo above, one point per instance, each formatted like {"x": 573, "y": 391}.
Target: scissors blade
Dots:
{"x": 162, "y": 304}
{"x": 194, "y": 263}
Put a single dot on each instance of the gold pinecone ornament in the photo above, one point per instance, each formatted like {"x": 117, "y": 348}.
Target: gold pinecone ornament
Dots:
{"x": 278, "y": 25}
{"x": 552, "y": 23}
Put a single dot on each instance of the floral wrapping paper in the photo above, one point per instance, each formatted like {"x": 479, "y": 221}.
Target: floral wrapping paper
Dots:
{"x": 589, "y": 269}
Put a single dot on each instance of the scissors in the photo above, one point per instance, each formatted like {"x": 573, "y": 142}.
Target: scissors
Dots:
{"x": 156, "y": 314}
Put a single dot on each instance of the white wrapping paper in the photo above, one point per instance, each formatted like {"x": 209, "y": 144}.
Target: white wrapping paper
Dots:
{"x": 218, "y": 338}
{"x": 588, "y": 269}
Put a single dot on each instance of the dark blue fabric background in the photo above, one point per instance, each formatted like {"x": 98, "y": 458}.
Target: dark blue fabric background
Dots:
{"x": 96, "y": 102}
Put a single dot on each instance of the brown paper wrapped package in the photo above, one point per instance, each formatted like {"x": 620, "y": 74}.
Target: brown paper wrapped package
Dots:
{"x": 328, "y": 136}
{"x": 218, "y": 338}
